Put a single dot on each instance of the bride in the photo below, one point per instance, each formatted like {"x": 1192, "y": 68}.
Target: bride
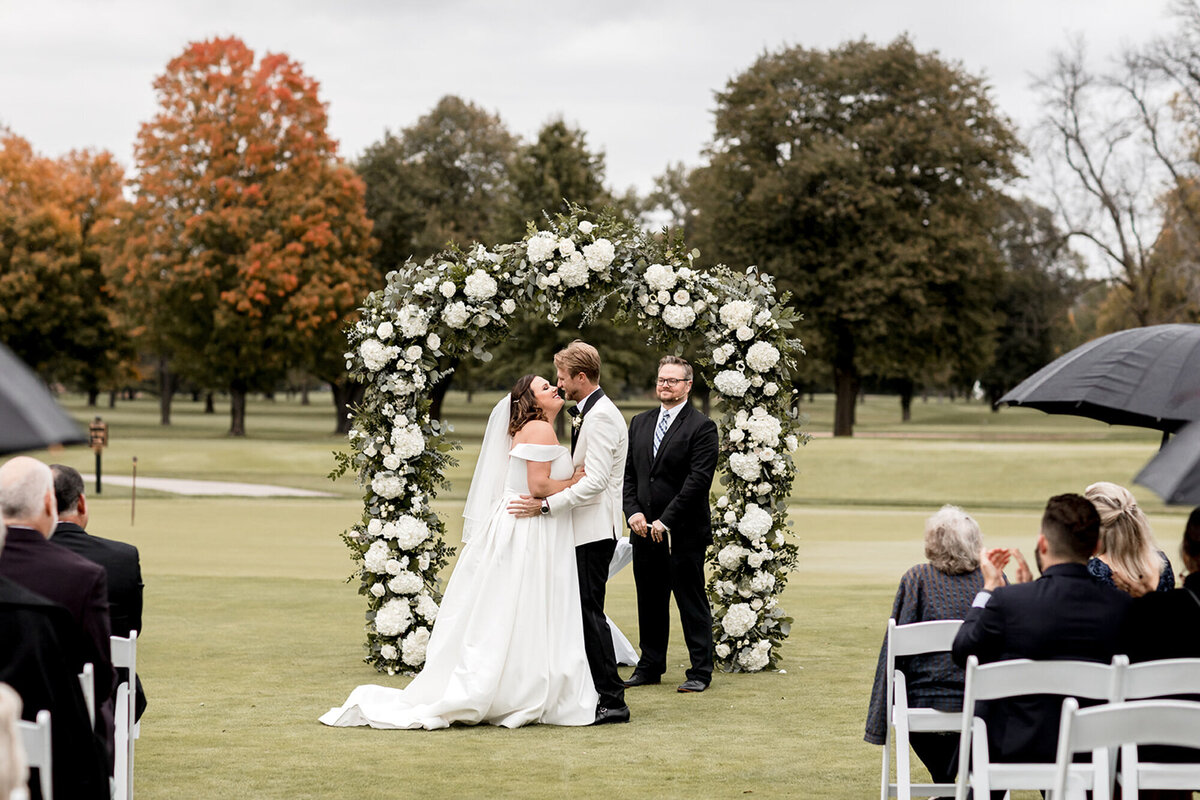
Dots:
{"x": 507, "y": 646}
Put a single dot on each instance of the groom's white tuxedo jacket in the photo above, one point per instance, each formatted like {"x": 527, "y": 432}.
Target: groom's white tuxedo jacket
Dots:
{"x": 595, "y": 502}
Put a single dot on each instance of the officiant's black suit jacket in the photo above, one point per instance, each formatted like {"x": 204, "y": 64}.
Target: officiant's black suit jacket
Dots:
{"x": 123, "y": 571}
{"x": 1065, "y": 614}
{"x": 673, "y": 486}
{"x": 42, "y": 654}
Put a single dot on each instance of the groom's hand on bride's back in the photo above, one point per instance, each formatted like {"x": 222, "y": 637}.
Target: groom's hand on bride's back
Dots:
{"x": 525, "y": 506}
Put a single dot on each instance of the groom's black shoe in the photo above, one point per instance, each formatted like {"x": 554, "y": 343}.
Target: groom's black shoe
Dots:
{"x": 604, "y": 716}
{"x": 692, "y": 685}
{"x": 641, "y": 679}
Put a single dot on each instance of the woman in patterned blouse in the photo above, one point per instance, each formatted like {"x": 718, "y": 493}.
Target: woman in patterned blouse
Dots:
{"x": 1128, "y": 557}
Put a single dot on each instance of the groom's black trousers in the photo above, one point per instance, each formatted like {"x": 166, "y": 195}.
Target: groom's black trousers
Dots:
{"x": 592, "y": 560}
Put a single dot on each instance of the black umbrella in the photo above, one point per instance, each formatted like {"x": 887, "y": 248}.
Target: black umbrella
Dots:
{"x": 1148, "y": 377}
{"x": 1175, "y": 472}
{"x": 29, "y": 417}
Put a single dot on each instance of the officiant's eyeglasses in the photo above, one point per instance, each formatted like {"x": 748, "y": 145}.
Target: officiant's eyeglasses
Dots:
{"x": 671, "y": 383}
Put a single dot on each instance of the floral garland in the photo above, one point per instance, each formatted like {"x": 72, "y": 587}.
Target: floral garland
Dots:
{"x": 457, "y": 303}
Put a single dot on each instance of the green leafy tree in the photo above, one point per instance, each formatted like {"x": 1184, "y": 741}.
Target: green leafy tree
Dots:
{"x": 555, "y": 170}
{"x": 865, "y": 179}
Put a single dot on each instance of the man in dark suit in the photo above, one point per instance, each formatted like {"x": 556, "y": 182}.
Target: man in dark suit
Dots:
{"x": 1064, "y": 614}
{"x": 122, "y": 568}
{"x": 31, "y": 560}
{"x": 668, "y": 474}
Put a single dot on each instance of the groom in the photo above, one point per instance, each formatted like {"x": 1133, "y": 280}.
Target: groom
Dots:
{"x": 599, "y": 443}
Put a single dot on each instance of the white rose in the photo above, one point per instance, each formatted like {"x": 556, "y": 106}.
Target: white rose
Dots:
{"x": 566, "y": 247}
{"x": 791, "y": 442}
{"x": 374, "y": 527}
{"x": 388, "y": 652}
{"x": 730, "y": 517}
{"x": 744, "y": 334}
{"x": 413, "y": 353}
{"x": 771, "y": 389}
{"x": 682, "y": 297}
{"x": 762, "y": 317}
{"x": 385, "y": 330}
{"x": 663, "y": 297}
{"x": 764, "y": 488}
{"x": 652, "y": 309}
{"x": 585, "y": 227}
{"x": 447, "y": 289}
{"x": 393, "y": 567}
{"x": 434, "y": 341}
{"x": 722, "y": 501}
{"x": 389, "y": 530}
{"x": 378, "y": 590}
{"x": 508, "y": 306}
{"x": 736, "y": 435}
{"x": 722, "y": 650}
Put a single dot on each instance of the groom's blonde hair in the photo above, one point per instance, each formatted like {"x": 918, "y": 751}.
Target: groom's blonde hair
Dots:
{"x": 579, "y": 356}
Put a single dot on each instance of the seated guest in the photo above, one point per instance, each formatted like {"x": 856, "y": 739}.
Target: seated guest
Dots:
{"x": 29, "y": 510}
{"x": 1163, "y": 625}
{"x": 42, "y": 656}
{"x": 943, "y": 588}
{"x": 122, "y": 568}
{"x": 14, "y": 771}
{"x": 1064, "y": 614}
{"x": 1128, "y": 557}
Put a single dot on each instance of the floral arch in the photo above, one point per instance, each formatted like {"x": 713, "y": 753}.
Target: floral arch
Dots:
{"x": 458, "y": 303}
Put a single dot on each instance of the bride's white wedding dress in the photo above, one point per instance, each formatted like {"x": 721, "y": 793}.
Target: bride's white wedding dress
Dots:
{"x": 507, "y": 646}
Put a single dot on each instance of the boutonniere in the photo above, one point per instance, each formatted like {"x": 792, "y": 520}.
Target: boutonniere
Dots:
{"x": 576, "y": 421}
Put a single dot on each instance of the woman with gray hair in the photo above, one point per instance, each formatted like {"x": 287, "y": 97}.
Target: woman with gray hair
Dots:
{"x": 942, "y": 588}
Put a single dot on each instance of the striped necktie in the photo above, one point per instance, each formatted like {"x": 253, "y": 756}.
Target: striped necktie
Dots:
{"x": 664, "y": 421}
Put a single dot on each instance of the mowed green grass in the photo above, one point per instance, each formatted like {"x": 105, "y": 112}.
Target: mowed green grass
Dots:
{"x": 251, "y": 630}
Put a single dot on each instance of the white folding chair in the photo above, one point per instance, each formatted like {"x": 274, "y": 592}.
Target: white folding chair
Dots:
{"x": 124, "y": 655}
{"x": 1018, "y": 678}
{"x": 1160, "y": 678}
{"x": 35, "y": 737}
{"x": 87, "y": 682}
{"x": 918, "y": 638}
{"x": 1167, "y": 722}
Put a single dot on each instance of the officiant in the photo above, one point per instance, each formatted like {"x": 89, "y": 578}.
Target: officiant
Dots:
{"x": 668, "y": 475}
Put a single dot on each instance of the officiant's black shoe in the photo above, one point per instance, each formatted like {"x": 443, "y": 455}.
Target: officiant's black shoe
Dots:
{"x": 692, "y": 685}
{"x": 605, "y": 716}
{"x": 641, "y": 679}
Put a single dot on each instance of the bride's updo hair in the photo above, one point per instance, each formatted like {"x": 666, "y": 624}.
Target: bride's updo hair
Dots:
{"x": 524, "y": 406}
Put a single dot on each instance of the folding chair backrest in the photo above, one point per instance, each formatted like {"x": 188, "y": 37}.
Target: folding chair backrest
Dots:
{"x": 87, "y": 682}
{"x": 35, "y": 737}
{"x": 917, "y": 638}
{"x": 1161, "y": 678}
{"x": 1168, "y": 722}
{"x": 124, "y": 655}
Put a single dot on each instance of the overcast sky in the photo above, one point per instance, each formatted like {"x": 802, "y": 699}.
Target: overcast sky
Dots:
{"x": 637, "y": 75}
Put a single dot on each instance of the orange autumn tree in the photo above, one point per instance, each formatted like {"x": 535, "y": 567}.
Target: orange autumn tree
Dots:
{"x": 249, "y": 242}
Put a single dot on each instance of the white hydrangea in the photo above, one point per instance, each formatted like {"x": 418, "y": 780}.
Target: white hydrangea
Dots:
{"x": 678, "y": 316}
{"x": 375, "y": 354}
{"x": 456, "y": 314}
{"x": 407, "y": 441}
{"x": 660, "y": 277}
{"x": 388, "y": 652}
{"x": 746, "y": 466}
{"x": 413, "y": 322}
{"x": 406, "y": 582}
{"x": 448, "y": 289}
{"x": 731, "y": 382}
{"x": 480, "y": 286}
{"x": 375, "y": 559}
{"x": 410, "y": 532}
{"x": 540, "y": 247}
{"x": 731, "y": 556}
{"x": 386, "y": 485}
{"x": 762, "y": 356}
{"x": 739, "y": 619}
{"x": 414, "y": 646}
{"x": 736, "y": 313}
{"x": 426, "y": 607}
{"x": 385, "y": 330}
{"x": 755, "y": 523}
{"x": 761, "y": 583}
{"x": 573, "y": 271}
{"x": 599, "y": 254}
{"x": 393, "y": 617}
{"x": 754, "y": 658}
{"x": 744, "y": 334}
{"x": 763, "y": 428}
